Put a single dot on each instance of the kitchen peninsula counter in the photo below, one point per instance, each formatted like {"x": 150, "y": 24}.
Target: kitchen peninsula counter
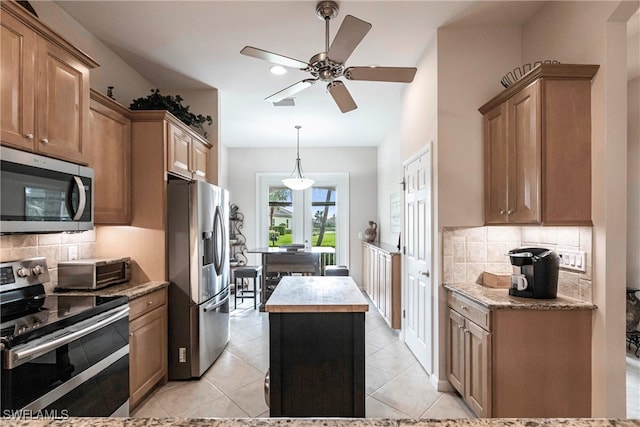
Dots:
{"x": 316, "y": 347}
{"x": 321, "y": 422}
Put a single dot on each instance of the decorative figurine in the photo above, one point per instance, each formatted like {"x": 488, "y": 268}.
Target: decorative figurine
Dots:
{"x": 370, "y": 232}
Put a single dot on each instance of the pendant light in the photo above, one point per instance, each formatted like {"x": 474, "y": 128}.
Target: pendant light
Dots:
{"x": 296, "y": 180}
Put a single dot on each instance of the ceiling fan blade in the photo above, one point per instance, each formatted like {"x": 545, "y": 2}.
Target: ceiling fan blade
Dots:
{"x": 291, "y": 90}
{"x": 351, "y": 32}
{"x": 341, "y": 95}
{"x": 274, "y": 57}
{"x": 381, "y": 74}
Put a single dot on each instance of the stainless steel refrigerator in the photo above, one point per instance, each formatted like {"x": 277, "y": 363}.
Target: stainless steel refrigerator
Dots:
{"x": 197, "y": 224}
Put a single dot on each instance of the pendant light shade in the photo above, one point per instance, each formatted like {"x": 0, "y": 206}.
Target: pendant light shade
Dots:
{"x": 296, "y": 180}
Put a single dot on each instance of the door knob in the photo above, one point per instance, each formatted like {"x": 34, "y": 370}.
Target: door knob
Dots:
{"x": 425, "y": 273}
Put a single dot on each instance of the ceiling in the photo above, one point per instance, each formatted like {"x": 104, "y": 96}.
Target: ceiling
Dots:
{"x": 196, "y": 44}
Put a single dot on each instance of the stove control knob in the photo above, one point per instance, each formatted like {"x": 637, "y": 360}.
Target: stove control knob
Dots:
{"x": 37, "y": 270}
{"x": 23, "y": 272}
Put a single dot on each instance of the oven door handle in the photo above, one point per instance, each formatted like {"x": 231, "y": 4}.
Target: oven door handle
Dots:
{"x": 19, "y": 357}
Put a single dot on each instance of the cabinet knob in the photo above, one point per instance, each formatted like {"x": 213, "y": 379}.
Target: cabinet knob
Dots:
{"x": 464, "y": 307}
{"x": 29, "y": 136}
{"x": 466, "y": 330}
{"x": 149, "y": 302}
{"x": 501, "y": 212}
{"x": 460, "y": 326}
{"x": 509, "y": 212}
{"x": 44, "y": 140}
{"x": 130, "y": 334}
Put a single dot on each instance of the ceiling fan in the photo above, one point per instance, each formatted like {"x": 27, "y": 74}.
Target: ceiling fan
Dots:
{"x": 328, "y": 66}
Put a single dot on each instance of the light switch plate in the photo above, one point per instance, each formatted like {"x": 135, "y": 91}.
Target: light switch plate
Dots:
{"x": 572, "y": 260}
{"x": 73, "y": 252}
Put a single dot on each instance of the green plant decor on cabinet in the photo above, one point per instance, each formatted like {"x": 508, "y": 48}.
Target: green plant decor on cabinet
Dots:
{"x": 172, "y": 104}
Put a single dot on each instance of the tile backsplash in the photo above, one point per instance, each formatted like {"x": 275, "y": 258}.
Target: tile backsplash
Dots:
{"x": 54, "y": 247}
{"x": 468, "y": 251}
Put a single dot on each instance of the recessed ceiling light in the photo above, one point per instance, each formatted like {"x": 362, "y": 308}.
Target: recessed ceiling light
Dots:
{"x": 278, "y": 70}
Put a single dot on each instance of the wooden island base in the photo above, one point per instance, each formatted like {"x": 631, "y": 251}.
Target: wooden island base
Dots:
{"x": 316, "y": 348}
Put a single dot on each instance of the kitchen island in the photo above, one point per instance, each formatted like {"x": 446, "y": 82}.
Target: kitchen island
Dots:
{"x": 278, "y": 262}
{"x": 316, "y": 347}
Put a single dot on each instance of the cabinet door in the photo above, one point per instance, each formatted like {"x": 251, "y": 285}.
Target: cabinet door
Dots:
{"x": 373, "y": 271}
{"x": 110, "y": 157}
{"x": 366, "y": 268}
{"x": 62, "y": 104}
{"x": 200, "y": 160}
{"x": 17, "y": 62}
{"x": 384, "y": 267}
{"x": 455, "y": 351}
{"x": 148, "y": 352}
{"x": 524, "y": 148}
{"x": 477, "y": 367}
{"x": 495, "y": 165}
{"x": 179, "y": 151}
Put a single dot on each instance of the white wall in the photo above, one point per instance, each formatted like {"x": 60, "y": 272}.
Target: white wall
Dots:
{"x": 579, "y": 32}
{"x": 633, "y": 190}
{"x": 360, "y": 163}
{"x": 459, "y": 71}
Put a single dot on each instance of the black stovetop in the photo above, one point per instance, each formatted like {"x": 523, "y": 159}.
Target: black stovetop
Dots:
{"x": 25, "y": 319}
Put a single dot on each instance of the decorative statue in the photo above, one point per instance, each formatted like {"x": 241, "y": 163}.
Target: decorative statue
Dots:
{"x": 370, "y": 232}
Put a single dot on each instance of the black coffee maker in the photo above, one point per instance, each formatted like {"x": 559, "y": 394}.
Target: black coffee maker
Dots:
{"x": 535, "y": 273}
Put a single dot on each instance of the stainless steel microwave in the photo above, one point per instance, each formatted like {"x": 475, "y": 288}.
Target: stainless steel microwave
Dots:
{"x": 43, "y": 195}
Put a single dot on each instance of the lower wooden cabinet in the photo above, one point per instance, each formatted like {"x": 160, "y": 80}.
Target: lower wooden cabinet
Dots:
{"x": 147, "y": 344}
{"x": 520, "y": 362}
{"x": 382, "y": 282}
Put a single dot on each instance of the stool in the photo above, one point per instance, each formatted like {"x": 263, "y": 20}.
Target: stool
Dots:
{"x": 336, "y": 270}
{"x": 247, "y": 272}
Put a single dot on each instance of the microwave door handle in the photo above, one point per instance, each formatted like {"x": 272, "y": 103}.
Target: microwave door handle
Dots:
{"x": 82, "y": 203}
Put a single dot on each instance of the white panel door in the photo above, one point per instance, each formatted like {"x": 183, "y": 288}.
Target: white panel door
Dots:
{"x": 418, "y": 306}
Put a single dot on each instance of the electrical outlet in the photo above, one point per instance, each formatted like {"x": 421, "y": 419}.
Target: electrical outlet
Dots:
{"x": 73, "y": 252}
{"x": 572, "y": 260}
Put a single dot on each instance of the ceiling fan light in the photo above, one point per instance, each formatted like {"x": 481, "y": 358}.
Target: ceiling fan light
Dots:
{"x": 278, "y": 70}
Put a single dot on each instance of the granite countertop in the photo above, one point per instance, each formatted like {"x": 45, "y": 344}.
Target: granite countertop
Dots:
{"x": 131, "y": 290}
{"x": 316, "y": 294}
{"x": 320, "y": 422}
{"x": 499, "y": 299}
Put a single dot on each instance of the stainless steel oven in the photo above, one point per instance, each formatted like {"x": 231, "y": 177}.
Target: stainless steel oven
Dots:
{"x": 62, "y": 354}
{"x": 43, "y": 195}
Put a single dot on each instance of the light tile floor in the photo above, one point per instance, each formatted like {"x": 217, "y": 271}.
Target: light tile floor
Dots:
{"x": 396, "y": 384}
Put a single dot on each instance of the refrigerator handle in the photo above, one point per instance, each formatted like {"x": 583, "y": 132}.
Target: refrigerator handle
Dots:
{"x": 220, "y": 235}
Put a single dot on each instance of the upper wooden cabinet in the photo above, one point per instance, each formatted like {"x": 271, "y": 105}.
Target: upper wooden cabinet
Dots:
{"x": 110, "y": 157}
{"x": 537, "y": 157}
{"x": 45, "y": 88}
{"x": 188, "y": 154}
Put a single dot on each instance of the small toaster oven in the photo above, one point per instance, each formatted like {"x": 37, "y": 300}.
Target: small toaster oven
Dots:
{"x": 94, "y": 273}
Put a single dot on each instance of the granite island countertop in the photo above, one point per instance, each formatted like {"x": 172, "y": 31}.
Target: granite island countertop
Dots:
{"x": 128, "y": 289}
{"x": 499, "y": 299}
{"x": 321, "y": 422}
{"x": 317, "y": 294}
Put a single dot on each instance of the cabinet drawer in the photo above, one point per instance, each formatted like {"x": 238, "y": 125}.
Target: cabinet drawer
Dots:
{"x": 472, "y": 311}
{"x": 146, "y": 303}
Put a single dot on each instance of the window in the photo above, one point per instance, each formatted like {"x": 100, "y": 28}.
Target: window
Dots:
{"x": 317, "y": 216}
